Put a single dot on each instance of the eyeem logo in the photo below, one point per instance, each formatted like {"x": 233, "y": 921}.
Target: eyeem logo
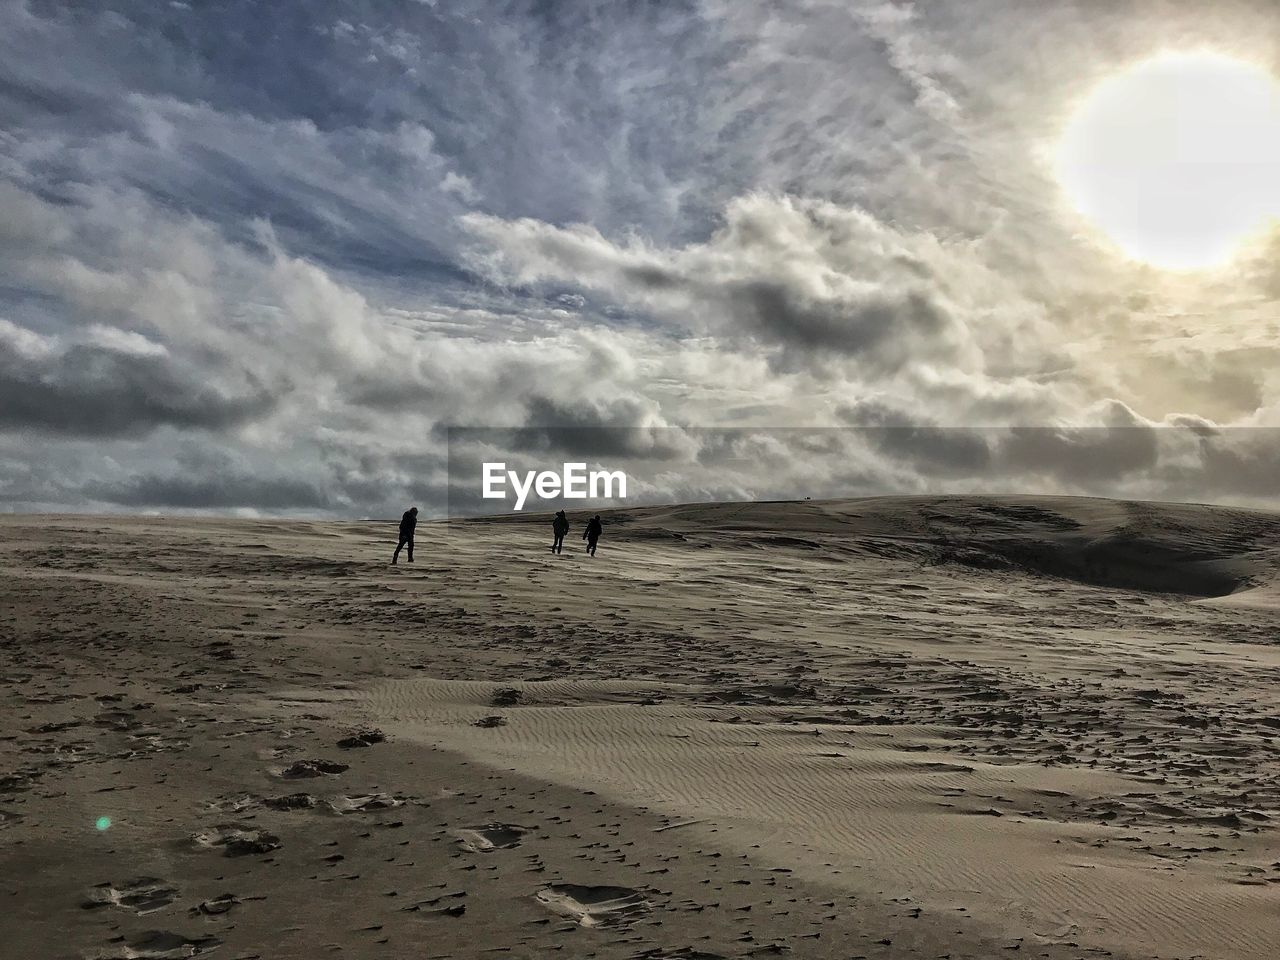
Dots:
{"x": 573, "y": 482}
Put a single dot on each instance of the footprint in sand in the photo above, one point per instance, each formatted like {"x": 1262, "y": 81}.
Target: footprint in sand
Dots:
{"x": 277, "y": 753}
{"x": 292, "y": 801}
{"x": 304, "y": 769}
{"x": 14, "y": 783}
{"x": 216, "y": 906}
{"x": 594, "y": 906}
{"x": 237, "y": 840}
{"x": 237, "y": 803}
{"x": 374, "y": 801}
{"x": 157, "y": 742}
{"x": 122, "y": 720}
{"x": 142, "y": 895}
{"x": 366, "y": 738}
{"x": 490, "y": 837}
{"x": 507, "y": 697}
{"x": 158, "y": 945}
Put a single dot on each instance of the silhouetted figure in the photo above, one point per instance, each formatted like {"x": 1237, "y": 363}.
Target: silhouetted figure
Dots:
{"x": 592, "y": 533}
{"x": 408, "y": 523}
{"x": 559, "y": 527}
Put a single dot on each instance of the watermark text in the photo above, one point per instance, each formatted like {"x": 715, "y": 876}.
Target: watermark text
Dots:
{"x": 573, "y": 482}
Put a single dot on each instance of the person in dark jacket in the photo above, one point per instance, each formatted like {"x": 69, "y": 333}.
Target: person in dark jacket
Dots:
{"x": 592, "y": 533}
{"x": 559, "y": 527}
{"x": 408, "y": 523}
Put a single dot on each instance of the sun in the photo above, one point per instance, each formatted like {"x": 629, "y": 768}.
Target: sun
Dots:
{"x": 1177, "y": 159}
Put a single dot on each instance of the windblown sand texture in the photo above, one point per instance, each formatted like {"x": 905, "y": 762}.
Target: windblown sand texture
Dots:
{"x": 885, "y": 728}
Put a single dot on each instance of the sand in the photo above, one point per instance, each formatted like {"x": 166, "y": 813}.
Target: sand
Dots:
{"x": 889, "y": 728}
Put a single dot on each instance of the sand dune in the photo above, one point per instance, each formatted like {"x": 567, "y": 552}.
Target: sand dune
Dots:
{"x": 1167, "y": 548}
{"x": 901, "y": 727}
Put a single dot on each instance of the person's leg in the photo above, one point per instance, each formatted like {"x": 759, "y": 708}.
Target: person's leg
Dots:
{"x": 409, "y": 544}
{"x": 396, "y": 556}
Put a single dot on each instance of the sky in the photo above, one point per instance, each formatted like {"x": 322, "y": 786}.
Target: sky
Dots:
{"x": 262, "y": 258}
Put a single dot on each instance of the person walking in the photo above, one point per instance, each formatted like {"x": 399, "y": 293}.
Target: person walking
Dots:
{"x": 559, "y": 527}
{"x": 592, "y": 533}
{"x": 408, "y": 523}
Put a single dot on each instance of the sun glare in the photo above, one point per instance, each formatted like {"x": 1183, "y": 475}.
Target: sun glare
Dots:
{"x": 1177, "y": 159}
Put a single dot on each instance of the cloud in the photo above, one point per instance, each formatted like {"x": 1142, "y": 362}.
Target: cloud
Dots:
{"x": 808, "y": 280}
{"x": 460, "y": 186}
{"x": 213, "y": 493}
{"x": 264, "y": 259}
{"x": 114, "y": 384}
{"x": 929, "y": 447}
{"x": 620, "y": 429}
{"x": 892, "y": 25}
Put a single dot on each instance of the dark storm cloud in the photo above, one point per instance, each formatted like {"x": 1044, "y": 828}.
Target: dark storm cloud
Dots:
{"x": 1240, "y": 462}
{"x": 90, "y": 391}
{"x": 216, "y": 492}
{"x": 928, "y": 447}
{"x": 887, "y": 328}
{"x": 1087, "y": 455}
{"x": 936, "y": 451}
{"x": 594, "y": 428}
{"x": 383, "y": 393}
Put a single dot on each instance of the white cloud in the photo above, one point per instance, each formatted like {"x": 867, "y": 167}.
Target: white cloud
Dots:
{"x": 460, "y": 186}
{"x": 810, "y": 282}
